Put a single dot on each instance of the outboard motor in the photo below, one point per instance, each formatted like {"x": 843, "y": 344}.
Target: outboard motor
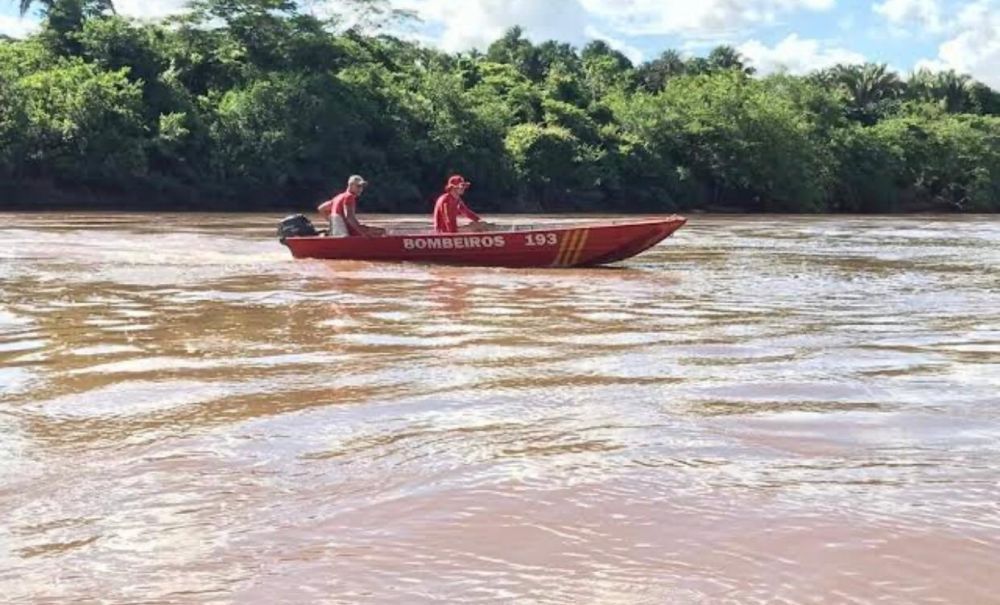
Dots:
{"x": 296, "y": 225}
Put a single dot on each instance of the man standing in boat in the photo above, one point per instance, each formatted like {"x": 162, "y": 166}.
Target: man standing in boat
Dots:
{"x": 450, "y": 205}
{"x": 341, "y": 212}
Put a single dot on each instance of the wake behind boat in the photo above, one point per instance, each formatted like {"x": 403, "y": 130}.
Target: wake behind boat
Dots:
{"x": 539, "y": 245}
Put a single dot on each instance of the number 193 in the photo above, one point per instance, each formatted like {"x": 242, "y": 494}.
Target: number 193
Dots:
{"x": 541, "y": 239}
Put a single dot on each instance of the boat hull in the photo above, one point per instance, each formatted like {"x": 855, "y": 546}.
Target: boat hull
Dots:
{"x": 580, "y": 245}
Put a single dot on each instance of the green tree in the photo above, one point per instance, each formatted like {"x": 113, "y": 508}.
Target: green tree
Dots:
{"x": 949, "y": 162}
{"x": 13, "y": 125}
{"x": 871, "y": 89}
{"x": 369, "y": 17}
{"x": 655, "y": 74}
{"x": 562, "y": 56}
{"x": 984, "y": 100}
{"x": 547, "y": 161}
{"x": 868, "y": 171}
{"x": 516, "y": 50}
{"x": 64, "y": 19}
{"x": 260, "y": 28}
{"x": 83, "y": 123}
{"x": 261, "y": 103}
{"x": 509, "y": 92}
{"x": 563, "y": 85}
{"x": 90, "y": 7}
{"x": 947, "y": 88}
{"x": 697, "y": 66}
{"x": 727, "y": 57}
{"x": 749, "y": 146}
{"x": 824, "y": 108}
{"x": 606, "y": 69}
{"x": 288, "y": 133}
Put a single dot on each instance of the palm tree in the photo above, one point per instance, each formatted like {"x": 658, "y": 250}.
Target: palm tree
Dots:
{"x": 920, "y": 85}
{"x": 697, "y": 65}
{"x": 89, "y": 7}
{"x": 983, "y": 99}
{"x": 513, "y": 48}
{"x": 867, "y": 84}
{"x": 726, "y": 57}
{"x": 672, "y": 62}
{"x": 870, "y": 89}
{"x": 599, "y": 49}
{"x": 951, "y": 90}
{"x": 655, "y": 74}
{"x": 63, "y": 18}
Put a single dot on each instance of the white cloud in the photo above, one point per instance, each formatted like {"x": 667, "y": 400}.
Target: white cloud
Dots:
{"x": 931, "y": 64}
{"x": 467, "y": 24}
{"x": 904, "y": 13}
{"x": 149, "y": 9}
{"x": 796, "y": 55}
{"x": 700, "y": 18}
{"x": 141, "y": 9}
{"x": 974, "y": 45}
{"x": 16, "y": 27}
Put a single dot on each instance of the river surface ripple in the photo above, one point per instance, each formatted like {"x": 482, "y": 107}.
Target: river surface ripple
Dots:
{"x": 760, "y": 410}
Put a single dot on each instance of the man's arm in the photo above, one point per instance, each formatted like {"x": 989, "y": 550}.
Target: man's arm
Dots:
{"x": 325, "y": 209}
{"x": 469, "y": 214}
{"x": 355, "y": 225}
{"x": 352, "y": 220}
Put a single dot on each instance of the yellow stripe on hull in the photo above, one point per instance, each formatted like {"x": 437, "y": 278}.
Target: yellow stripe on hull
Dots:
{"x": 565, "y": 249}
{"x": 578, "y": 253}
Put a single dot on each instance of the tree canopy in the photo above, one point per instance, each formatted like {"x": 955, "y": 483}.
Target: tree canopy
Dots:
{"x": 251, "y": 104}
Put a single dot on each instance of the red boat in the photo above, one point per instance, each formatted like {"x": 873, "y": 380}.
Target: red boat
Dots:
{"x": 572, "y": 245}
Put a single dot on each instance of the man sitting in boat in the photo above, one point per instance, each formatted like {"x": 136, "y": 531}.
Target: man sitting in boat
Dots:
{"x": 450, "y": 205}
{"x": 340, "y": 210}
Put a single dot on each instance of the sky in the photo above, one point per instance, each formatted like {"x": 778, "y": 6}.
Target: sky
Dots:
{"x": 774, "y": 35}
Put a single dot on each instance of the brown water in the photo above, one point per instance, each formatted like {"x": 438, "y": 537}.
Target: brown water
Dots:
{"x": 773, "y": 410}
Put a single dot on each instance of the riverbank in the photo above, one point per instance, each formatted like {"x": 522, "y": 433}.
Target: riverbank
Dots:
{"x": 199, "y": 114}
{"x": 47, "y": 196}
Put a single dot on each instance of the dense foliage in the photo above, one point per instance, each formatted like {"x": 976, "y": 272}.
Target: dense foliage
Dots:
{"x": 244, "y": 104}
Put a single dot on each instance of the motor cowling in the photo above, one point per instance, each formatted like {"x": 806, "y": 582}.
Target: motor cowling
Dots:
{"x": 296, "y": 225}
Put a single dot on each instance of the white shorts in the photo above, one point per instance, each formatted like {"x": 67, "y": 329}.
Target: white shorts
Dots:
{"x": 338, "y": 227}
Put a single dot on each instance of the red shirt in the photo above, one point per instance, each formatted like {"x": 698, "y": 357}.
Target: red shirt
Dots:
{"x": 339, "y": 205}
{"x": 446, "y": 211}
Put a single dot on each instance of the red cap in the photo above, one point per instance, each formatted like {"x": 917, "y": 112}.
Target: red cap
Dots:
{"x": 457, "y": 181}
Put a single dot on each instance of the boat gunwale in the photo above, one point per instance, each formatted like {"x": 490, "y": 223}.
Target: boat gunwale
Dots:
{"x": 534, "y": 228}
